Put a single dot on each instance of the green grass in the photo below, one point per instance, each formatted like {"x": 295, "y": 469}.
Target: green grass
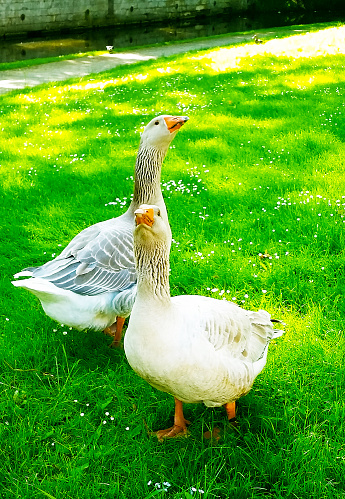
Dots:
{"x": 258, "y": 169}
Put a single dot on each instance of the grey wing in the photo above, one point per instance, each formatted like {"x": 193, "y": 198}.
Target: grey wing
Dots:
{"x": 98, "y": 260}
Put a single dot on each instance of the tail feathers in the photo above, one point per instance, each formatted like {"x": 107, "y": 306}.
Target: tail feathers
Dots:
{"x": 24, "y": 273}
{"x": 53, "y": 267}
{"x": 263, "y": 332}
{"x": 41, "y": 288}
{"x": 277, "y": 333}
{"x": 278, "y": 321}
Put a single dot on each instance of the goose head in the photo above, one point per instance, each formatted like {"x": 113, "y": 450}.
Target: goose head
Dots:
{"x": 151, "y": 249}
{"x": 150, "y": 227}
{"x": 160, "y": 131}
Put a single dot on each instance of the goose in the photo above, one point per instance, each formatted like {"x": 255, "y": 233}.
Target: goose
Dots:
{"x": 196, "y": 348}
{"x": 256, "y": 39}
{"x": 92, "y": 283}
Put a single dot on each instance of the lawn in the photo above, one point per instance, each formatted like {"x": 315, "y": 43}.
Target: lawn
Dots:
{"x": 255, "y": 188}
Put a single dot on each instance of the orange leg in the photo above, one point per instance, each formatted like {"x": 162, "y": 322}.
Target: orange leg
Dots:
{"x": 115, "y": 330}
{"x": 230, "y": 408}
{"x": 180, "y": 424}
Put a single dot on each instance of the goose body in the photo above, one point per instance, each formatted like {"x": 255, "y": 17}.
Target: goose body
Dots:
{"x": 213, "y": 349}
{"x": 196, "y": 348}
{"x": 92, "y": 283}
{"x": 96, "y": 312}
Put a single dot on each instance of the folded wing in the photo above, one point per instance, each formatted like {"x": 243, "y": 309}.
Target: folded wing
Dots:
{"x": 98, "y": 260}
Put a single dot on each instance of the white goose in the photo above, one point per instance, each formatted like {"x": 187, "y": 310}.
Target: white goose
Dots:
{"x": 92, "y": 283}
{"x": 196, "y": 348}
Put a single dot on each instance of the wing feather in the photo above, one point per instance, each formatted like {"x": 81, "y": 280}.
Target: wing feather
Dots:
{"x": 227, "y": 326}
{"x": 99, "y": 259}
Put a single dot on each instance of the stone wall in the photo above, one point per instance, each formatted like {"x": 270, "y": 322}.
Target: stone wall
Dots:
{"x": 28, "y": 16}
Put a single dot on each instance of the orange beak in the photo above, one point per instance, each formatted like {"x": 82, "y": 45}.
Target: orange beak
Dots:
{"x": 175, "y": 122}
{"x": 144, "y": 216}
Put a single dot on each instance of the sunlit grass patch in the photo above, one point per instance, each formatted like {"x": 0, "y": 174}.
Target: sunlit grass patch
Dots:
{"x": 315, "y": 44}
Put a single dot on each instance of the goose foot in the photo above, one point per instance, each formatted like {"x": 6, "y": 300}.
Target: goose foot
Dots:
{"x": 215, "y": 434}
{"x": 172, "y": 432}
{"x": 115, "y": 331}
{"x": 110, "y": 330}
{"x": 179, "y": 429}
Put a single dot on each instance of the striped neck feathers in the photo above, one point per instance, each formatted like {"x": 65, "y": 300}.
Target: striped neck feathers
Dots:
{"x": 147, "y": 175}
{"x": 153, "y": 271}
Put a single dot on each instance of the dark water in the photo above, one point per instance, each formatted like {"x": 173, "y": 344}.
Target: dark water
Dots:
{"x": 24, "y": 47}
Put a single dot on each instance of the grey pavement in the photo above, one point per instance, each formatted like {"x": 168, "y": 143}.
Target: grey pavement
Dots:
{"x": 27, "y": 77}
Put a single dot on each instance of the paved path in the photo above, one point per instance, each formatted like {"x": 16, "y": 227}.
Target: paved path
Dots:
{"x": 16, "y": 79}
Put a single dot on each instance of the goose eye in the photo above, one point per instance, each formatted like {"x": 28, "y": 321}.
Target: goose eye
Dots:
{"x": 159, "y": 213}
{"x": 156, "y": 122}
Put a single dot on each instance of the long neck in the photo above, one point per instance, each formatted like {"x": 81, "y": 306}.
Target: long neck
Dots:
{"x": 153, "y": 272}
{"x": 147, "y": 189}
